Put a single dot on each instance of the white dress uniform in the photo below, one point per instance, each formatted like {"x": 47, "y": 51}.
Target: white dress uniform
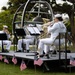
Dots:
{"x": 28, "y": 40}
{"x": 6, "y": 42}
{"x": 54, "y": 31}
{"x": 56, "y": 42}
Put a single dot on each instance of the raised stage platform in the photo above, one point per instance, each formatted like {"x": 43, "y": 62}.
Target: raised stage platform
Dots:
{"x": 30, "y": 56}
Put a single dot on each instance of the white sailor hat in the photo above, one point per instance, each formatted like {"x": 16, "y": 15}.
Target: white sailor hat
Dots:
{"x": 5, "y": 26}
{"x": 57, "y": 15}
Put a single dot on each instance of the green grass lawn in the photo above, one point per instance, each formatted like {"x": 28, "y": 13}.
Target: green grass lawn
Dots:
{"x": 10, "y": 69}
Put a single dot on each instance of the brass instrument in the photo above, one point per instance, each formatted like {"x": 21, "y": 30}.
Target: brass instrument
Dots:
{"x": 45, "y": 31}
{"x": 6, "y": 31}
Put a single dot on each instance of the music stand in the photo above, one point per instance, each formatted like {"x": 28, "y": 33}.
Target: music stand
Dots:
{"x": 3, "y": 36}
{"x": 34, "y": 31}
{"x": 20, "y": 32}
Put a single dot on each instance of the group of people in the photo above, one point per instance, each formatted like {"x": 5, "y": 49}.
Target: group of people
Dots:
{"x": 45, "y": 44}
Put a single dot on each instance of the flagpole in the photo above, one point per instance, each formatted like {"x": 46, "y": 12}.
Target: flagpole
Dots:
{"x": 13, "y": 60}
{"x": 4, "y": 64}
{"x": 70, "y": 68}
{"x": 35, "y": 69}
{"x": 23, "y": 65}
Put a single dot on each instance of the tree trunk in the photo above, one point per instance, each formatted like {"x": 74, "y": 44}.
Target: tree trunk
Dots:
{"x": 72, "y": 27}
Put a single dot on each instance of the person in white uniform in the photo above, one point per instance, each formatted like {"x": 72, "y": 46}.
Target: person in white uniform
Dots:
{"x": 6, "y": 42}
{"x": 54, "y": 29}
{"x": 27, "y": 41}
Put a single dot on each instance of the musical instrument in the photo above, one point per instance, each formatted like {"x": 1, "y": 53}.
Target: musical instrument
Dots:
{"x": 45, "y": 31}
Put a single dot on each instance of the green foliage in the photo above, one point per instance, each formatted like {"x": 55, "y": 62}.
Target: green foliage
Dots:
{"x": 4, "y": 8}
{"x": 68, "y": 25}
{"x": 62, "y": 8}
{"x": 15, "y": 4}
{"x": 6, "y": 19}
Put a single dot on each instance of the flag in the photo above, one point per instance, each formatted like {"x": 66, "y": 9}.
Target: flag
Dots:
{"x": 72, "y": 61}
{"x": 23, "y": 65}
{"x": 38, "y": 62}
{"x": 14, "y": 60}
{"x": 6, "y": 60}
{"x": 1, "y": 57}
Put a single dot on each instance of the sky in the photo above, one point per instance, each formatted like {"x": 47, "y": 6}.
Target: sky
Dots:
{"x": 3, "y": 3}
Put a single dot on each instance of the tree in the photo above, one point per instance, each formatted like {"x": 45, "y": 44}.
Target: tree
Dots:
{"x": 15, "y": 4}
{"x": 72, "y": 21}
{"x": 4, "y": 8}
{"x": 10, "y": 4}
{"x": 6, "y": 19}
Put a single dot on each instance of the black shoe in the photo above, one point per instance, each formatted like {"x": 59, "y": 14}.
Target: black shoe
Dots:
{"x": 36, "y": 53}
{"x": 47, "y": 55}
{"x": 7, "y": 51}
{"x": 19, "y": 51}
{"x": 54, "y": 52}
{"x": 42, "y": 55}
{"x": 27, "y": 51}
